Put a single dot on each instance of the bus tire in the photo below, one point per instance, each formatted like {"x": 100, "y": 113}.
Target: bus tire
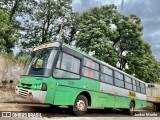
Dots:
{"x": 131, "y": 108}
{"x": 80, "y": 105}
{"x": 54, "y": 108}
{"x": 108, "y": 109}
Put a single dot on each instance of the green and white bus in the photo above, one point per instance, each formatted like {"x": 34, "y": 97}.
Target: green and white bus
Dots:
{"x": 58, "y": 74}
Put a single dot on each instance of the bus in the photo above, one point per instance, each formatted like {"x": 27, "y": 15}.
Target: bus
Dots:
{"x": 153, "y": 95}
{"x": 62, "y": 75}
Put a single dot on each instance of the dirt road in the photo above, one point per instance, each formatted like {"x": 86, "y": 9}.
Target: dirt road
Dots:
{"x": 46, "y": 113}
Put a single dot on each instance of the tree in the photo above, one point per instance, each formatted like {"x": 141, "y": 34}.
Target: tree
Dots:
{"x": 46, "y": 22}
{"x": 129, "y": 32}
{"x": 143, "y": 65}
{"x": 21, "y": 56}
{"x": 7, "y": 39}
{"x": 94, "y": 34}
{"x": 71, "y": 28}
{"x": 117, "y": 40}
{"x": 17, "y": 8}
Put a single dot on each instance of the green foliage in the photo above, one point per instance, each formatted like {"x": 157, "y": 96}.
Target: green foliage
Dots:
{"x": 117, "y": 40}
{"x": 71, "y": 28}
{"x": 143, "y": 65}
{"x": 21, "y": 57}
{"x": 17, "y": 8}
{"x": 94, "y": 32}
{"x": 111, "y": 36}
{"x": 47, "y": 20}
{"x": 7, "y": 38}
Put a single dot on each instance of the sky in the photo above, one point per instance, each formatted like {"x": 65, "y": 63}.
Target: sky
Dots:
{"x": 147, "y": 10}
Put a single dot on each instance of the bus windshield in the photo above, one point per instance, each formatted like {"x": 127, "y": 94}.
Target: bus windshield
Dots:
{"x": 40, "y": 62}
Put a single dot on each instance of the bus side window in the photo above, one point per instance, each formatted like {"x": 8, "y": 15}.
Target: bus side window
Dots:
{"x": 138, "y": 86}
{"x": 143, "y": 89}
{"x": 67, "y": 67}
{"x": 90, "y": 69}
{"x": 119, "y": 79}
{"x": 134, "y": 85}
{"x": 128, "y": 82}
{"x": 107, "y": 75}
{"x": 88, "y": 72}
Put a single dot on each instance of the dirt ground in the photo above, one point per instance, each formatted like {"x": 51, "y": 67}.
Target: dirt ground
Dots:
{"x": 8, "y": 95}
{"x": 63, "y": 113}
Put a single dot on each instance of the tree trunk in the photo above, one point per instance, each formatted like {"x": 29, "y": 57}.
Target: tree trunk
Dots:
{"x": 13, "y": 10}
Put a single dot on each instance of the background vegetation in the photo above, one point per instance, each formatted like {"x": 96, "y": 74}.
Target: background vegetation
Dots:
{"x": 112, "y": 37}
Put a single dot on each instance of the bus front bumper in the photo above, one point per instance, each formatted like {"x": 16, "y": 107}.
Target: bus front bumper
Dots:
{"x": 36, "y": 96}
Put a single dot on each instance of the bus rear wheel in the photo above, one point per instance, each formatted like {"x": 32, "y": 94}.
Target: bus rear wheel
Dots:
{"x": 80, "y": 105}
{"x": 130, "y": 111}
{"x": 131, "y": 108}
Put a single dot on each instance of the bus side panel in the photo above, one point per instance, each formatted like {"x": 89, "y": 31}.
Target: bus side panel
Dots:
{"x": 140, "y": 101}
{"x": 122, "y": 102}
{"x": 108, "y": 91}
{"x": 118, "y": 97}
{"x": 97, "y": 100}
{"x": 122, "y": 99}
{"x": 68, "y": 90}
{"x": 110, "y": 101}
{"x": 106, "y": 100}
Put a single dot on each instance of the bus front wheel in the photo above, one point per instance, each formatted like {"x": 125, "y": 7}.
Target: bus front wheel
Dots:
{"x": 80, "y": 105}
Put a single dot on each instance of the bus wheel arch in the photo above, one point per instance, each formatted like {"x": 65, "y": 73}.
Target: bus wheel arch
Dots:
{"x": 133, "y": 102}
{"x": 87, "y": 95}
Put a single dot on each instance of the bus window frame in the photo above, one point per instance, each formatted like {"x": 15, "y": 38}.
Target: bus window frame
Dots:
{"x": 138, "y": 86}
{"x": 128, "y": 82}
{"x": 119, "y": 79}
{"x": 92, "y": 68}
{"x": 142, "y": 88}
{"x": 134, "y": 84}
{"x": 54, "y": 67}
{"x": 102, "y": 73}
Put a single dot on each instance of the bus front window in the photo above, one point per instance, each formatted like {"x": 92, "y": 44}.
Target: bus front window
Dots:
{"x": 40, "y": 62}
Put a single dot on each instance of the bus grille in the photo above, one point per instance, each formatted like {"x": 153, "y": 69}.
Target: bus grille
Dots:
{"x": 26, "y": 86}
{"x": 22, "y": 92}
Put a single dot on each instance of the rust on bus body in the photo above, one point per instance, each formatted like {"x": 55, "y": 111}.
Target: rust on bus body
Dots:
{"x": 158, "y": 99}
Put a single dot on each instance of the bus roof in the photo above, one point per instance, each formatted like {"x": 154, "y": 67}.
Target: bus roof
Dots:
{"x": 47, "y": 45}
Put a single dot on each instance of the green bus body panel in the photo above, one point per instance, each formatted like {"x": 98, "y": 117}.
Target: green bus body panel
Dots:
{"x": 140, "y": 103}
{"x": 70, "y": 89}
{"x": 65, "y": 92}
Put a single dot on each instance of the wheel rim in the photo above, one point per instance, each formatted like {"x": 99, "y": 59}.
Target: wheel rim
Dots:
{"x": 132, "y": 109}
{"x": 80, "y": 105}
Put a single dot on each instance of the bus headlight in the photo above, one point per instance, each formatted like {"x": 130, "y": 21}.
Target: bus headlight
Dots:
{"x": 44, "y": 87}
